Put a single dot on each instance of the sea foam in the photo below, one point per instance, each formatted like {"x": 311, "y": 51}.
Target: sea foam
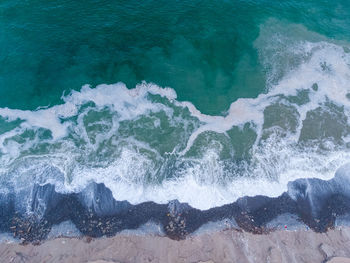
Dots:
{"x": 145, "y": 145}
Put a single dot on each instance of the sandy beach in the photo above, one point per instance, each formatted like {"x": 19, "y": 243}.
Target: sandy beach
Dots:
{"x": 229, "y": 245}
{"x": 192, "y": 131}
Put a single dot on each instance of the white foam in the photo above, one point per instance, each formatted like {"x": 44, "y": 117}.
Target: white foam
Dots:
{"x": 333, "y": 85}
{"x": 137, "y": 172}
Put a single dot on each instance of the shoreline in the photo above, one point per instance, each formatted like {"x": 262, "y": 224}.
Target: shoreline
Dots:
{"x": 230, "y": 245}
{"x": 309, "y": 203}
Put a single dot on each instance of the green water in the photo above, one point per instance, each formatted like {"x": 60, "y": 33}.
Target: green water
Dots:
{"x": 263, "y": 96}
{"x": 203, "y": 49}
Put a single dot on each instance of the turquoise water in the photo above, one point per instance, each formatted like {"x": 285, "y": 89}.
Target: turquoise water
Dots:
{"x": 203, "y": 49}
{"x": 208, "y": 100}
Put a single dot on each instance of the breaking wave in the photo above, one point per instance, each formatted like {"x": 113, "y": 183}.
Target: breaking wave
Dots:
{"x": 145, "y": 145}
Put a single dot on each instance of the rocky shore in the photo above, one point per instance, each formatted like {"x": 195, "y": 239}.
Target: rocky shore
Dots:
{"x": 230, "y": 245}
{"x": 307, "y": 223}
{"x": 309, "y": 203}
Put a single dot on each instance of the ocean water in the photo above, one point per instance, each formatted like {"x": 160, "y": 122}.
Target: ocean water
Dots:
{"x": 199, "y": 101}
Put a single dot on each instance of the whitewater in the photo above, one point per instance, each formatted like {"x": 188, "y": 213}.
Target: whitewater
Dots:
{"x": 146, "y": 145}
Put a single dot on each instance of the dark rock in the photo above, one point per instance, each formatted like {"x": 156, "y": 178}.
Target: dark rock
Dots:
{"x": 95, "y": 213}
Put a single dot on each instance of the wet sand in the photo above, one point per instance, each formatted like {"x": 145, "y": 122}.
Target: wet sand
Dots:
{"x": 229, "y": 245}
{"x": 301, "y": 225}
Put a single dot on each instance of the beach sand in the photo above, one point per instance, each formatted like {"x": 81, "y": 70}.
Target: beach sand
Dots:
{"x": 228, "y": 245}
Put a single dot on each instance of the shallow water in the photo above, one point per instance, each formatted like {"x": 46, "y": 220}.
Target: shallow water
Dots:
{"x": 199, "y": 101}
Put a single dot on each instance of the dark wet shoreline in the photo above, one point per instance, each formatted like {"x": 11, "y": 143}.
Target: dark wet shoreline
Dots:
{"x": 95, "y": 213}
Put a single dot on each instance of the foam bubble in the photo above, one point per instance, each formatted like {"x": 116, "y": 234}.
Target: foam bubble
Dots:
{"x": 145, "y": 145}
